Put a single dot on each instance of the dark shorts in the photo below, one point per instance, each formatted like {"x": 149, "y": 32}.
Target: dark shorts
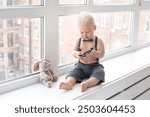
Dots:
{"x": 83, "y": 71}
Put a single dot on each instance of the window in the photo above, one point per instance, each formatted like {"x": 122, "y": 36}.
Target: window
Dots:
{"x": 16, "y": 42}
{"x": 61, "y": 2}
{"x": 116, "y": 22}
{"x": 37, "y": 29}
{"x": 9, "y": 23}
{"x": 119, "y": 22}
{"x": 113, "y": 27}
{"x": 103, "y": 21}
{"x": 1, "y": 57}
{"x": 1, "y": 24}
{"x": 10, "y": 58}
{"x": 10, "y": 39}
{"x": 112, "y": 2}
{"x": 147, "y": 25}
{"x": 67, "y": 34}
{"x": 144, "y": 27}
{"x": 1, "y": 66}
{"x": 26, "y": 32}
{"x": 1, "y": 39}
{"x": 20, "y": 2}
{"x": 20, "y": 38}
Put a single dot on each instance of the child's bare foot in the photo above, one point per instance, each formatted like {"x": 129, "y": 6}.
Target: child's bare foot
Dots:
{"x": 83, "y": 86}
{"x": 64, "y": 85}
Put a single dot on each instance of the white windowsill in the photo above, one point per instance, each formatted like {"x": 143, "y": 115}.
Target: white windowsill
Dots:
{"x": 114, "y": 68}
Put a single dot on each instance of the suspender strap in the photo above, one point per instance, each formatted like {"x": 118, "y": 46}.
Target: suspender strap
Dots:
{"x": 79, "y": 44}
{"x": 96, "y": 41}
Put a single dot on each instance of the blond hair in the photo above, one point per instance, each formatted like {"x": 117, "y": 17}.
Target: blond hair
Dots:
{"x": 85, "y": 19}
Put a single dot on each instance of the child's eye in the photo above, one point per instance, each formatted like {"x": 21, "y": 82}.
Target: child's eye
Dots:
{"x": 85, "y": 32}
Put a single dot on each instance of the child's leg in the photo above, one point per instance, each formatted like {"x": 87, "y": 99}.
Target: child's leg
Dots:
{"x": 68, "y": 84}
{"x": 89, "y": 83}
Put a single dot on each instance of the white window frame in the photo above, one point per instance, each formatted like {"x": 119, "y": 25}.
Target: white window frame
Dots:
{"x": 49, "y": 34}
{"x": 51, "y": 13}
{"x": 135, "y": 9}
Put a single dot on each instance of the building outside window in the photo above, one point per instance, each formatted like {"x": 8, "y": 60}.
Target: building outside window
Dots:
{"x": 72, "y": 2}
{"x": 1, "y": 24}
{"x": 147, "y": 25}
{"x": 1, "y": 39}
{"x": 144, "y": 27}
{"x": 10, "y": 39}
{"x": 19, "y": 37}
{"x": 1, "y": 57}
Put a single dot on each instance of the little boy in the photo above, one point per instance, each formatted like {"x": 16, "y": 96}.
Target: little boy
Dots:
{"x": 87, "y": 49}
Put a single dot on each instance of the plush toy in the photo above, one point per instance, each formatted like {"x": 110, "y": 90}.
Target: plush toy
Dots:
{"x": 47, "y": 75}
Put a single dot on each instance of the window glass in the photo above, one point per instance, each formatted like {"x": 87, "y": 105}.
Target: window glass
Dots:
{"x": 2, "y": 77}
{"x": 113, "y": 28}
{"x": 20, "y": 41}
{"x": 1, "y": 24}
{"x": 10, "y": 41}
{"x": 1, "y": 57}
{"x": 1, "y": 39}
{"x": 20, "y": 2}
{"x": 112, "y": 2}
{"x": 144, "y": 26}
{"x": 68, "y": 32}
{"x": 72, "y": 2}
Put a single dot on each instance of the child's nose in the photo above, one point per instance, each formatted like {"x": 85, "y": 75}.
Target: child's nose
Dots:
{"x": 84, "y": 35}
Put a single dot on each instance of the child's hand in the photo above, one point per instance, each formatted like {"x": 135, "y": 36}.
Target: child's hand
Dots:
{"x": 93, "y": 52}
{"x": 85, "y": 54}
{"x": 79, "y": 54}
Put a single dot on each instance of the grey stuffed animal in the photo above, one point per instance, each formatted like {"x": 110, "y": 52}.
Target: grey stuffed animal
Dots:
{"x": 47, "y": 75}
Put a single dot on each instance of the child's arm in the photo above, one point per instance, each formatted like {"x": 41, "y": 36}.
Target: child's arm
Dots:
{"x": 76, "y": 49}
{"x": 76, "y": 54}
{"x": 99, "y": 53}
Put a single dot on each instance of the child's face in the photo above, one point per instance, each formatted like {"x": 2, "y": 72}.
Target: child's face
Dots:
{"x": 87, "y": 32}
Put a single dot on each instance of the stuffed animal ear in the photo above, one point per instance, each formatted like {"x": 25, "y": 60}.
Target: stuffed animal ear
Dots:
{"x": 46, "y": 60}
{"x": 35, "y": 66}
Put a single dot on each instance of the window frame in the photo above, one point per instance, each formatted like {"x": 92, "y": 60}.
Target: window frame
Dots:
{"x": 12, "y": 12}
{"x": 49, "y": 46}
{"x": 65, "y": 10}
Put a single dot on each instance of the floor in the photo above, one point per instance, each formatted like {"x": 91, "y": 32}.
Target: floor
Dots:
{"x": 114, "y": 68}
